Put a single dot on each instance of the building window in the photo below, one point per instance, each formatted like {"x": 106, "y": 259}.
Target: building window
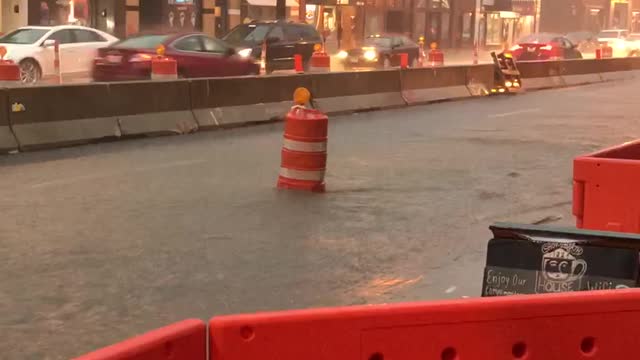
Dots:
{"x": 467, "y": 27}
{"x": 62, "y": 12}
{"x": 440, "y": 4}
{"x": 494, "y": 29}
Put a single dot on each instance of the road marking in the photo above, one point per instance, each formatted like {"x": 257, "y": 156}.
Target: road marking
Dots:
{"x": 513, "y": 113}
{"x": 450, "y": 290}
{"x": 76, "y": 179}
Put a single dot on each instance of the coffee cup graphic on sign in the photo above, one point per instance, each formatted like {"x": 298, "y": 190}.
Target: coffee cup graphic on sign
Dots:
{"x": 560, "y": 264}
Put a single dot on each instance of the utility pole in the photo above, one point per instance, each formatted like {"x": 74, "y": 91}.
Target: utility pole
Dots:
{"x": 281, "y": 9}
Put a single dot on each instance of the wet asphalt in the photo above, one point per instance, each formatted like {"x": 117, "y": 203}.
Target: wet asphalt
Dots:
{"x": 102, "y": 242}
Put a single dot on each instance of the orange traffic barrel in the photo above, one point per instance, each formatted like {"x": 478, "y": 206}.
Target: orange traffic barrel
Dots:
{"x": 162, "y": 67}
{"x": 320, "y": 62}
{"x": 435, "y": 56}
{"x": 304, "y": 151}
{"x": 9, "y": 71}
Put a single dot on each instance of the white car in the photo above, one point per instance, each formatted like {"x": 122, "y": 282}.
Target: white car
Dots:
{"x": 617, "y": 39}
{"x": 32, "y": 47}
{"x": 634, "y": 44}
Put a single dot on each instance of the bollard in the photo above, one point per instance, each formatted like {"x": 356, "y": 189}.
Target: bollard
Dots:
{"x": 436, "y": 56}
{"x": 263, "y": 58}
{"x": 421, "y": 56}
{"x": 297, "y": 63}
{"x": 304, "y": 151}
{"x": 9, "y": 71}
{"x": 475, "y": 53}
{"x": 404, "y": 60}
{"x": 56, "y": 61}
{"x": 162, "y": 67}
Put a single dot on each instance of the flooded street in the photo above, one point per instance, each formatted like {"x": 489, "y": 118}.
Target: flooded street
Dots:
{"x": 102, "y": 242}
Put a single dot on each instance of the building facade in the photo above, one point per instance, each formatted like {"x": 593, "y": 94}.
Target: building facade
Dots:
{"x": 589, "y": 15}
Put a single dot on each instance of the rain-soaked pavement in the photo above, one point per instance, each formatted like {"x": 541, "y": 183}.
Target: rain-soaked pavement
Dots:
{"x": 101, "y": 242}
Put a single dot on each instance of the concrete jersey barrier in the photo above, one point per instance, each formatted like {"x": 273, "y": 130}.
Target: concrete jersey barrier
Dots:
{"x": 44, "y": 116}
{"x": 426, "y": 85}
{"x": 357, "y": 91}
{"x": 243, "y": 100}
{"x": 70, "y": 114}
{"x": 7, "y": 139}
{"x": 157, "y": 107}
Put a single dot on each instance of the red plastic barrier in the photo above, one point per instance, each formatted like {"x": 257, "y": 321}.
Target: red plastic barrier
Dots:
{"x": 404, "y": 60}
{"x": 185, "y": 340}
{"x": 566, "y": 326}
{"x": 606, "y": 189}
{"x": 297, "y": 62}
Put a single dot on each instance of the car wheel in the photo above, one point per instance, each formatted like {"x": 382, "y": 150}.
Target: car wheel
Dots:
{"x": 30, "y": 72}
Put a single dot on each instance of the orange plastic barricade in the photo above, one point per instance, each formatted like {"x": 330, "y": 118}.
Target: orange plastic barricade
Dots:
{"x": 606, "y": 189}
{"x": 566, "y": 326}
{"x": 185, "y": 340}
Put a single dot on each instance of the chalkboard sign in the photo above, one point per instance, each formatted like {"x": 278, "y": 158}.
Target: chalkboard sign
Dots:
{"x": 525, "y": 259}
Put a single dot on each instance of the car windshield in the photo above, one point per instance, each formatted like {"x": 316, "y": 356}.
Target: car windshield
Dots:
{"x": 142, "y": 42}
{"x": 378, "y": 41}
{"x": 537, "y": 39}
{"x": 609, "y": 34}
{"x": 24, "y": 36}
{"x": 252, "y": 33}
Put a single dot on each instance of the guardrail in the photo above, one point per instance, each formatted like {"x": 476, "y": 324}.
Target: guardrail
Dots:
{"x": 54, "y": 116}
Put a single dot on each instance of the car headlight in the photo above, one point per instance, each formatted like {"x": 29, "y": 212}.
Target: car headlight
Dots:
{"x": 370, "y": 55}
{"x": 342, "y": 55}
{"x": 621, "y": 44}
{"x": 245, "y": 53}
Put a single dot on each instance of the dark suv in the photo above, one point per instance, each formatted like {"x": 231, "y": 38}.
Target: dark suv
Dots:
{"x": 284, "y": 40}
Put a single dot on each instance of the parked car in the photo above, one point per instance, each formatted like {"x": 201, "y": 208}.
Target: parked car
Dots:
{"x": 544, "y": 46}
{"x": 32, "y": 47}
{"x": 617, "y": 40}
{"x": 198, "y": 55}
{"x": 283, "y": 41}
{"x": 381, "y": 51}
{"x": 585, "y": 41}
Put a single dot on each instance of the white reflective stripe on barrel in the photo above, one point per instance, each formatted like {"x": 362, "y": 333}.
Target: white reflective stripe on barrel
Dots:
{"x": 305, "y": 146}
{"x": 164, "y": 76}
{"x": 311, "y": 175}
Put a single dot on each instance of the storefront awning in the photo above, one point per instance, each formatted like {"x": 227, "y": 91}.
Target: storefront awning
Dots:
{"x": 290, "y": 3}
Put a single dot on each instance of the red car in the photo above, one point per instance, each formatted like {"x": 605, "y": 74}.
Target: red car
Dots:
{"x": 198, "y": 55}
{"x": 544, "y": 46}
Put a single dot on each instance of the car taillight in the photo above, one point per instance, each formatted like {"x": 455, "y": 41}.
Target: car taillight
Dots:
{"x": 547, "y": 48}
{"x": 140, "y": 58}
{"x": 515, "y": 47}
